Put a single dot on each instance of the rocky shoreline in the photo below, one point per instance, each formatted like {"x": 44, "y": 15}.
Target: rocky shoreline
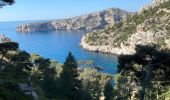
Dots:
{"x": 128, "y": 48}
{"x": 143, "y": 33}
{"x": 3, "y": 38}
{"x": 107, "y": 49}
{"x": 153, "y": 30}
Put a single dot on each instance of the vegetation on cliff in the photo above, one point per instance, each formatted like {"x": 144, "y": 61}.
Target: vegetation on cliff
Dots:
{"x": 151, "y": 26}
{"x": 91, "y": 21}
{"x": 145, "y": 75}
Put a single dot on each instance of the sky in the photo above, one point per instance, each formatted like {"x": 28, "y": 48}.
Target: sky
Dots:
{"x": 60, "y": 9}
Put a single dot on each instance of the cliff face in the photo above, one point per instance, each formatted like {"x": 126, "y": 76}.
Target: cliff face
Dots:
{"x": 151, "y": 26}
{"x": 96, "y": 20}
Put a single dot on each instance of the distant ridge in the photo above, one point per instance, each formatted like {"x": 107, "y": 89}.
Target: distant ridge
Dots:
{"x": 95, "y": 20}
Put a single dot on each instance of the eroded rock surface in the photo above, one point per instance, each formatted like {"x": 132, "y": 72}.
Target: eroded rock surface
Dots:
{"x": 96, "y": 20}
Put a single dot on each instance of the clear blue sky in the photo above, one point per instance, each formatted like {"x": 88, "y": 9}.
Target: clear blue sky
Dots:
{"x": 57, "y": 9}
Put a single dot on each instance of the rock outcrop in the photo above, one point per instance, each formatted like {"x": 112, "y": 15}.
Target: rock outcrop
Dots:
{"x": 106, "y": 48}
{"x": 4, "y": 39}
{"x": 153, "y": 4}
{"x": 144, "y": 28}
{"x": 96, "y": 20}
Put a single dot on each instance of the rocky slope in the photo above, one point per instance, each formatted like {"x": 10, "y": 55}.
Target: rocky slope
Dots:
{"x": 153, "y": 4}
{"x": 90, "y": 21}
{"x": 150, "y": 26}
{"x": 4, "y": 39}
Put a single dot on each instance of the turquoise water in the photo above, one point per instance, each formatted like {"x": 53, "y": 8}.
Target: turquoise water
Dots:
{"x": 56, "y": 45}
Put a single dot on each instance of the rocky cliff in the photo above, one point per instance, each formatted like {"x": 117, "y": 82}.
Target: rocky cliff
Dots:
{"x": 153, "y": 4}
{"x": 4, "y": 39}
{"x": 149, "y": 26}
{"x": 95, "y": 20}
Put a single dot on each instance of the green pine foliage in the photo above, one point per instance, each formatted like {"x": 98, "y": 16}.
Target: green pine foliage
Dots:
{"x": 70, "y": 85}
{"x": 48, "y": 79}
{"x": 144, "y": 75}
{"x": 108, "y": 91}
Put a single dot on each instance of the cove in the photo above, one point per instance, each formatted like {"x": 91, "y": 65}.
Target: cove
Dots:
{"x": 55, "y": 45}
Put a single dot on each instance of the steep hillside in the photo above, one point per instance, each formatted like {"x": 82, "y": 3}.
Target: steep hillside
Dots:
{"x": 153, "y": 4}
{"x": 90, "y": 21}
{"x": 151, "y": 25}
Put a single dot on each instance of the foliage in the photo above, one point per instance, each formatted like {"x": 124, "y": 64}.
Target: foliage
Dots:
{"x": 13, "y": 70}
{"x": 116, "y": 76}
{"x": 8, "y": 46}
{"x": 48, "y": 79}
{"x": 70, "y": 85}
{"x": 94, "y": 82}
{"x": 108, "y": 91}
{"x": 11, "y": 91}
{"x": 6, "y": 2}
{"x": 145, "y": 74}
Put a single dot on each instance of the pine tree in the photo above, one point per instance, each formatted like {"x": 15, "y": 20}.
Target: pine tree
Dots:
{"x": 108, "y": 91}
{"x": 8, "y": 46}
{"x": 70, "y": 85}
{"x": 149, "y": 67}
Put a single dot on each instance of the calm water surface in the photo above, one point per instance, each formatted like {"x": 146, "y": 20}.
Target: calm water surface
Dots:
{"x": 56, "y": 45}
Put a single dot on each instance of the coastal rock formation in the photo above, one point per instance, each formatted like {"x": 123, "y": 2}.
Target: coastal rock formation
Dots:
{"x": 96, "y": 20}
{"x": 153, "y": 4}
{"x": 106, "y": 48}
{"x": 145, "y": 28}
{"x": 139, "y": 38}
{"x": 4, "y": 39}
